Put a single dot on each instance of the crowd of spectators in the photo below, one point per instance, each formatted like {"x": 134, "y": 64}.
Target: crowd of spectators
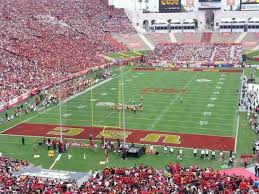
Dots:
{"x": 194, "y": 53}
{"x": 28, "y": 184}
{"x": 249, "y": 101}
{"x": 144, "y": 179}
{"x": 138, "y": 179}
{"x": 51, "y": 96}
{"x": 41, "y": 38}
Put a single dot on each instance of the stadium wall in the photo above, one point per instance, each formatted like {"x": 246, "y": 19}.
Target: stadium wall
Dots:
{"x": 218, "y": 15}
{"x": 138, "y": 17}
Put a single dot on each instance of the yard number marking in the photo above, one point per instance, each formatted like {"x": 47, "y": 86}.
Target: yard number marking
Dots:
{"x": 213, "y": 98}
{"x": 211, "y": 105}
{"x": 66, "y": 115}
{"x": 81, "y": 106}
{"x": 203, "y": 122}
{"x": 207, "y": 113}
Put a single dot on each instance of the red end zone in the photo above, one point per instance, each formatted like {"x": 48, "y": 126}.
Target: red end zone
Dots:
{"x": 132, "y": 135}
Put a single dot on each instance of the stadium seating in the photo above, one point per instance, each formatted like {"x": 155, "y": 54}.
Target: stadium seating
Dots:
{"x": 132, "y": 41}
{"x": 250, "y": 41}
{"x": 138, "y": 179}
{"x": 157, "y": 38}
{"x": 225, "y": 37}
{"x": 51, "y": 36}
{"x": 200, "y": 53}
{"x": 188, "y": 37}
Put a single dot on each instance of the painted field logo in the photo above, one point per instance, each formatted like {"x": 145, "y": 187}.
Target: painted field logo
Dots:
{"x": 154, "y": 137}
{"x": 162, "y": 91}
{"x": 113, "y": 134}
{"x": 66, "y": 131}
{"x": 203, "y": 80}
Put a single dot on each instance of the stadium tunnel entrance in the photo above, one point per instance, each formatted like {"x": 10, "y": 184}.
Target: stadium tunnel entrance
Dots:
{"x": 209, "y": 19}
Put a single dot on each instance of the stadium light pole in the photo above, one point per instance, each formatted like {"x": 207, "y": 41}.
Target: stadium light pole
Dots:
{"x": 123, "y": 111}
{"x": 60, "y": 108}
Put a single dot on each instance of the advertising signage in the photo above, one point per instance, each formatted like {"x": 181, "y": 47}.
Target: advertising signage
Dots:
{"x": 209, "y": 4}
{"x": 251, "y": 5}
{"x": 169, "y": 6}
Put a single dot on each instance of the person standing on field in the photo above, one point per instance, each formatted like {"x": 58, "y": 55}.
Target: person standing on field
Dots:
{"x": 23, "y": 141}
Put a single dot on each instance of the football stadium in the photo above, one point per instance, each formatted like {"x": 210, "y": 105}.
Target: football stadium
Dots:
{"x": 133, "y": 96}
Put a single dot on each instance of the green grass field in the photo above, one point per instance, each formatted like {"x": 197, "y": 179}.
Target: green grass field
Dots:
{"x": 162, "y": 111}
{"x": 252, "y": 54}
{"x": 209, "y": 107}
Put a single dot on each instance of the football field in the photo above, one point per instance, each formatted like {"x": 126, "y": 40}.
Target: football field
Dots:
{"x": 181, "y": 108}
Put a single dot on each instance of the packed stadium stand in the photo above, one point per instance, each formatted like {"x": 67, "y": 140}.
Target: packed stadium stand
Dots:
{"x": 249, "y": 40}
{"x": 46, "y": 42}
{"x": 138, "y": 179}
{"x": 195, "y": 53}
{"x": 41, "y": 37}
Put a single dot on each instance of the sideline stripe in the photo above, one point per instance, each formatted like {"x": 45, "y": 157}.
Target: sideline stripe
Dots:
{"x": 236, "y": 137}
{"x": 236, "y": 134}
{"x": 56, "y": 160}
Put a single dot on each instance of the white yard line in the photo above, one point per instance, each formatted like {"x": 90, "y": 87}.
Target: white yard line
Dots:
{"x": 222, "y": 118}
{"x": 171, "y": 103}
{"x": 55, "y": 161}
{"x": 145, "y": 119}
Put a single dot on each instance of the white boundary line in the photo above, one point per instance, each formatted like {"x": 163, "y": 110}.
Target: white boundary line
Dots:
{"x": 237, "y": 129}
{"x": 235, "y": 150}
{"x": 56, "y": 160}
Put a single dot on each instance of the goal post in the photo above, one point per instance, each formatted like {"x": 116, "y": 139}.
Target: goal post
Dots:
{"x": 117, "y": 98}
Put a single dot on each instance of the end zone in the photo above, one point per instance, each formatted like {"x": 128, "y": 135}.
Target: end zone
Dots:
{"x": 132, "y": 135}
